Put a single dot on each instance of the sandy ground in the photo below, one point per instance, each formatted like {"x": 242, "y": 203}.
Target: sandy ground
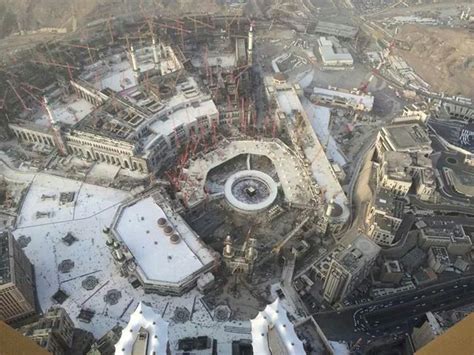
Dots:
{"x": 441, "y": 56}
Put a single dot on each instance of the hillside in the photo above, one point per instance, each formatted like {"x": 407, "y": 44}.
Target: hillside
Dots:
{"x": 443, "y": 57}
{"x": 16, "y": 15}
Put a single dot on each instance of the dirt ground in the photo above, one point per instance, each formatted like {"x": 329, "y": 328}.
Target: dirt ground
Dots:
{"x": 443, "y": 57}
{"x": 16, "y": 15}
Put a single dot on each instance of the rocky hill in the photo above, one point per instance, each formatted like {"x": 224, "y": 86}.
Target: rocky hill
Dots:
{"x": 443, "y": 57}
{"x": 26, "y": 15}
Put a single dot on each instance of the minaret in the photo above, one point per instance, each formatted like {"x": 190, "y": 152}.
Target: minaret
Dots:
{"x": 250, "y": 46}
{"x": 228, "y": 248}
{"x": 156, "y": 53}
{"x": 58, "y": 139}
{"x": 133, "y": 56}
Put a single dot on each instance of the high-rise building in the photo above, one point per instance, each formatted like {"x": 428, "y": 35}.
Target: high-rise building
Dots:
{"x": 349, "y": 268}
{"x": 17, "y": 295}
{"x": 54, "y": 331}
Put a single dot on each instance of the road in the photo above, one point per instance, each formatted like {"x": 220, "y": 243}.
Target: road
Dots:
{"x": 396, "y": 314}
{"x": 439, "y": 207}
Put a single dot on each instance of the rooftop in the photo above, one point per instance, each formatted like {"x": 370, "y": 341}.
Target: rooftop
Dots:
{"x": 356, "y": 255}
{"x": 159, "y": 257}
{"x": 408, "y": 137}
{"x": 331, "y": 50}
{"x": 336, "y": 29}
{"x": 366, "y": 100}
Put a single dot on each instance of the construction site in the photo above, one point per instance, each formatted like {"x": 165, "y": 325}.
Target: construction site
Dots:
{"x": 206, "y": 164}
{"x": 176, "y": 115}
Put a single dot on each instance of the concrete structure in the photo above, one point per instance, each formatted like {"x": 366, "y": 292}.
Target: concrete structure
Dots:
{"x": 106, "y": 344}
{"x": 145, "y": 334}
{"x": 147, "y": 234}
{"x": 250, "y": 46}
{"x": 290, "y": 110}
{"x": 342, "y": 98}
{"x": 404, "y": 137}
{"x": 391, "y": 272}
{"x": 394, "y": 173}
{"x": 349, "y": 268}
{"x": 428, "y": 331}
{"x": 17, "y": 286}
{"x": 137, "y": 131}
{"x": 333, "y": 54}
{"x": 273, "y": 332}
{"x": 240, "y": 260}
{"x": 336, "y": 29}
{"x": 425, "y": 182}
{"x": 54, "y": 331}
{"x": 438, "y": 259}
{"x": 383, "y": 218}
{"x": 455, "y": 239}
{"x": 250, "y": 191}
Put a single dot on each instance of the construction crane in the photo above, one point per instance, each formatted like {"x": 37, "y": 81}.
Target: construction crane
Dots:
{"x": 277, "y": 248}
{"x": 3, "y": 100}
{"x": 363, "y": 87}
{"x": 18, "y": 96}
{"x": 196, "y": 22}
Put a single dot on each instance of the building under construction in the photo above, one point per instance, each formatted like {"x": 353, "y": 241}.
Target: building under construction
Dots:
{"x": 139, "y": 107}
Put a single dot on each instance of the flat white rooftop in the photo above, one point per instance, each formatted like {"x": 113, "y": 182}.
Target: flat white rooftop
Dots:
{"x": 158, "y": 259}
{"x": 184, "y": 116}
{"x": 68, "y": 113}
{"x": 366, "y": 100}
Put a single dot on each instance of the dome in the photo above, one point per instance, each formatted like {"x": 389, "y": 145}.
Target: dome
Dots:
{"x": 334, "y": 210}
{"x": 280, "y": 77}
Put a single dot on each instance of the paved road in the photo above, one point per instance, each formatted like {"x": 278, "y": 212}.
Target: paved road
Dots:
{"x": 438, "y": 207}
{"x": 396, "y": 314}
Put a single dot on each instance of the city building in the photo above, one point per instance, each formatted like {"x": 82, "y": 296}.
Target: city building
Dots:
{"x": 147, "y": 234}
{"x": 342, "y": 98}
{"x": 336, "y": 29}
{"x": 12, "y": 342}
{"x": 333, "y": 54}
{"x": 394, "y": 173}
{"x": 410, "y": 137}
{"x": 384, "y": 217}
{"x": 425, "y": 182}
{"x": 106, "y": 344}
{"x": 146, "y": 333}
{"x": 428, "y": 331}
{"x": 438, "y": 259}
{"x": 53, "y": 331}
{"x": 391, "y": 272}
{"x": 349, "y": 268}
{"x": 17, "y": 286}
{"x": 274, "y": 333}
{"x": 454, "y": 239}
